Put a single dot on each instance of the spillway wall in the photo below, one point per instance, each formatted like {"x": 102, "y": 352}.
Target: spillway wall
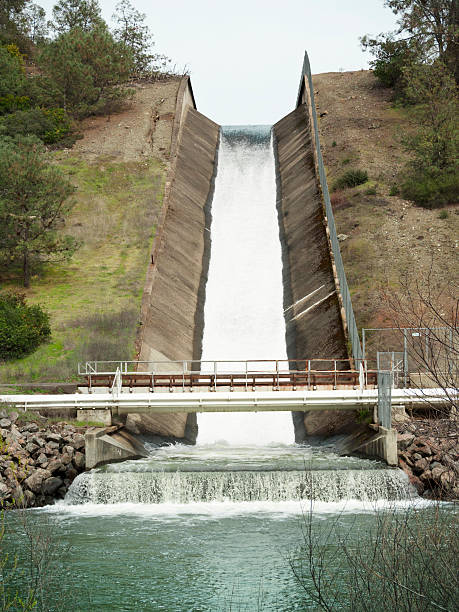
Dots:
{"x": 315, "y": 314}
{"x": 172, "y": 314}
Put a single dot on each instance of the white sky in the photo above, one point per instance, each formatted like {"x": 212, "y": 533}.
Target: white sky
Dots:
{"x": 245, "y": 56}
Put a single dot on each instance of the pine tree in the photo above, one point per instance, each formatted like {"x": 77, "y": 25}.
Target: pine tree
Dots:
{"x": 34, "y": 201}
{"x": 70, "y": 14}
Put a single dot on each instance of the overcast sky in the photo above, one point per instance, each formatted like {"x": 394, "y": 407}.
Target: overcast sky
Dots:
{"x": 245, "y": 56}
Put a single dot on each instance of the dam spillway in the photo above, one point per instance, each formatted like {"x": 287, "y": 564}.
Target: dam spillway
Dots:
{"x": 243, "y": 313}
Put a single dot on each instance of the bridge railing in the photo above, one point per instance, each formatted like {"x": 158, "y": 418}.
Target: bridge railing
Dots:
{"x": 344, "y": 288}
{"x": 250, "y": 366}
{"x": 229, "y": 374}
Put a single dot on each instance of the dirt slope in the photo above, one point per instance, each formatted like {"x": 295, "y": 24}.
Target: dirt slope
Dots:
{"x": 383, "y": 235}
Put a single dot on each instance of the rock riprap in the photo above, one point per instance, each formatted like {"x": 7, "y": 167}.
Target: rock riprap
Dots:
{"x": 38, "y": 462}
{"x": 428, "y": 451}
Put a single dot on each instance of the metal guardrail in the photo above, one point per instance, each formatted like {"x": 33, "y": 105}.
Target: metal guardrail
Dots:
{"x": 223, "y": 375}
{"x": 228, "y": 366}
{"x": 344, "y": 288}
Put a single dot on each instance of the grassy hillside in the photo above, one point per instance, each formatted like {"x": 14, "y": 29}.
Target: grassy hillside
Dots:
{"x": 94, "y": 300}
{"x": 382, "y": 234}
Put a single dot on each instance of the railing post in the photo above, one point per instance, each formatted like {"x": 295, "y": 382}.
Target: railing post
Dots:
{"x": 385, "y": 399}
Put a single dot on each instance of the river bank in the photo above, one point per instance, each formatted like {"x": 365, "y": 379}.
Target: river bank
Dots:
{"x": 428, "y": 451}
{"x": 38, "y": 460}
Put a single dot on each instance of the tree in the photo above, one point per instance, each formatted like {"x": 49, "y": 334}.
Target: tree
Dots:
{"x": 431, "y": 308}
{"x": 70, "y": 14}
{"x": 428, "y": 29}
{"x": 12, "y": 76}
{"x": 432, "y": 179}
{"x": 35, "y": 25}
{"x": 433, "y": 25}
{"x": 33, "y": 204}
{"x": 134, "y": 34}
{"x": 11, "y": 21}
{"x": 87, "y": 67}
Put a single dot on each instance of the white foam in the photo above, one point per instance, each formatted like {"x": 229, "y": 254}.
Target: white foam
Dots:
{"x": 221, "y": 510}
{"x": 244, "y": 294}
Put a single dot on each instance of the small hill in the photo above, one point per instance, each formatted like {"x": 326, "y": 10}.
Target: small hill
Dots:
{"x": 382, "y": 235}
{"x": 119, "y": 168}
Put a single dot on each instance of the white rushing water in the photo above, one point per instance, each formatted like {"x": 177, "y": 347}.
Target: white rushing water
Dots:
{"x": 243, "y": 312}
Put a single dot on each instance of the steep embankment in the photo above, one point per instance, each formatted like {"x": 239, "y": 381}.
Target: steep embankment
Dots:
{"x": 382, "y": 235}
{"x": 119, "y": 169}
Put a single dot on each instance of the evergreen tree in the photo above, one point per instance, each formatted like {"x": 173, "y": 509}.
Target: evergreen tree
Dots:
{"x": 427, "y": 30}
{"x": 87, "y": 67}
{"x": 34, "y": 201}
{"x": 134, "y": 34}
{"x": 70, "y": 14}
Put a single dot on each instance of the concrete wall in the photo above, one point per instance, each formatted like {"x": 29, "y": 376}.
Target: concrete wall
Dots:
{"x": 315, "y": 326}
{"x": 173, "y": 300}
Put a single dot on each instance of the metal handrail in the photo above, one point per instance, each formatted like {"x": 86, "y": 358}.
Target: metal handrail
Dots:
{"x": 344, "y": 288}
{"x": 208, "y": 366}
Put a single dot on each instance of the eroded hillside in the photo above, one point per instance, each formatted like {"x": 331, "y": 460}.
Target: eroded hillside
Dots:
{"x": 382, "y": 234}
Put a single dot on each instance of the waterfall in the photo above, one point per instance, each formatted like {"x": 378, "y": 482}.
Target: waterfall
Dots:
{"x": 243, "y": 486}
{"x": 244, "y": 294}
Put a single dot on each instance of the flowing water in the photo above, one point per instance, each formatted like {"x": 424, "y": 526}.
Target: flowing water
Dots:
{"x": 243, "y": 315}
{"x": 211, "y": 528}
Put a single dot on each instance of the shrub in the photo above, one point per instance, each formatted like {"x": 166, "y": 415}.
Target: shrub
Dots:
{"x": 50, "y": 125}
{"x": 443, "y": 214}
{"x": 22, "y": 328}
{"x": 351, "y": 178}
{"x": 432, "y": 190}
{"x": 11, "y": 103}
{"x": 338, "y": 200}
{"x": 371, "y": 190}
{"x": 394, "y": 190}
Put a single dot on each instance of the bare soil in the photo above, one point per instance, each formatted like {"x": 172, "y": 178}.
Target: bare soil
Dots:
{"x": 142, "y": 130}
{"x": 383, "y": 235}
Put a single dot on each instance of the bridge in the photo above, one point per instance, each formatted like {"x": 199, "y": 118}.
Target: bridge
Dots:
{"x": 116, "y": 389}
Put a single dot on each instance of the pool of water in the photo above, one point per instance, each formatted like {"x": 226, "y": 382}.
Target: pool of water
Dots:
{"x": 191, "y": 557}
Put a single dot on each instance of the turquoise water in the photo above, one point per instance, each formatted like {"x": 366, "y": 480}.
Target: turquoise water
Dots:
{"x": 215, "y": 553}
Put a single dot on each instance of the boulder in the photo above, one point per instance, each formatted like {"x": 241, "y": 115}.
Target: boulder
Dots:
{"x": 52, "y": 484}
{"x": 65, "y": 458}
{"x": 4, "y": 490}
{"x": 69, "y": 450}
{"x": 35, "y": 480}
{"x": 54, "y": 465}
{"x": 53, "y": 437}
{"x": 77, "y": 441}
{"x": 38, "y": 440}
{"x": 31, "y": 448}
{"x": 79, "y": 460}
{"x": 404, "y": 440}
{"x": 31, "y": 427}
{"x": 421, "y": 464}
{"x": 5, "y": 423}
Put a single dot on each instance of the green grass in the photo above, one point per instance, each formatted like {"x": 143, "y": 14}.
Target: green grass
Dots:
{"x": 94, "y": 300}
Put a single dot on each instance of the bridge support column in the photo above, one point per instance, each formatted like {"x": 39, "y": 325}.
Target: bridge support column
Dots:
{"x": 382, "y": 445}
{"x": 110, "y": 445}
{"x": 95, "y": 416}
